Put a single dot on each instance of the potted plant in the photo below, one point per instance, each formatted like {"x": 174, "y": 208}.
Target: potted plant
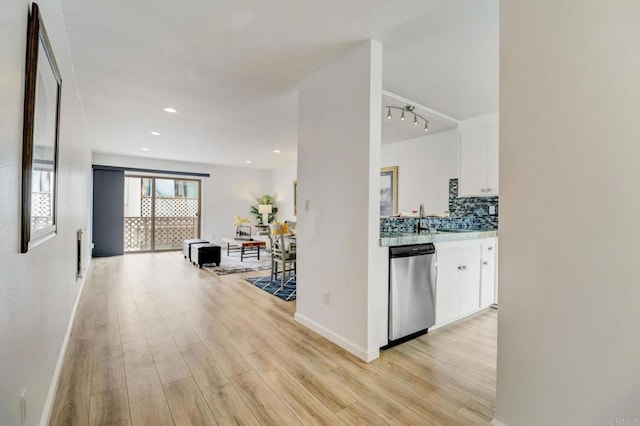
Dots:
{"x": 264, "y": 200}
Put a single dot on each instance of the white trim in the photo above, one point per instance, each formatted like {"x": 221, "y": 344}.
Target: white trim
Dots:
{"x": 338, "y": 340}
{"x": 484, "y": 308}
{"x": 495, "y": 422}
{"x": 53, "y": 388}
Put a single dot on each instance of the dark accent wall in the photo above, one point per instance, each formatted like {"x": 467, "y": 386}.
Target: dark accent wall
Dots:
{"x": 108, "y": 212}
{"x": 465, "y": 213}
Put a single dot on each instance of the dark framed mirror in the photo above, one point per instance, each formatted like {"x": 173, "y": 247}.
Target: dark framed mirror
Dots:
{"x": 43, "y": 90}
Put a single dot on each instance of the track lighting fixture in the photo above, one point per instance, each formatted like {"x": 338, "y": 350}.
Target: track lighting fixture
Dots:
{"x": 408, "y": 109}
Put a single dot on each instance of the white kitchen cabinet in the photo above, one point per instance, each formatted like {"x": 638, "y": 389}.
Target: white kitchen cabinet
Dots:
{"x": 457, "y": 289}
{"x": 488, "y": 273}
{"x": 447, "y": 292}
{"x": 469, "y": 286}
{"x": 465, "y": 278}
{"x": 479, "y": 157}
{"x": 487, "y": 281}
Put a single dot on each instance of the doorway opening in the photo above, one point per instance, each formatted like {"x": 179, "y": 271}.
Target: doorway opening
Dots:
{"x": 160, "y": 213}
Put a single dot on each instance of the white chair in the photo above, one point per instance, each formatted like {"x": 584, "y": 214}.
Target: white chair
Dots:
{"x": 283, "y": 261}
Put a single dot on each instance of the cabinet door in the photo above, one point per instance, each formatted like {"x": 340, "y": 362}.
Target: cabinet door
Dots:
{"x": 487, "y": 281}
{"x": 447, "y": 292}
{"x": 492, "y": 160}
{"x": 469, "y": 286}
{"x": 473, "y": 161}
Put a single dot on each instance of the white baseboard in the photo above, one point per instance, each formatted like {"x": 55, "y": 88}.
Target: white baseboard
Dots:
{"x": 494, "y": 422}
{"x": 435, "y": 327}
{"x": 53, "y": 388}
{"x": 337, "y": 339}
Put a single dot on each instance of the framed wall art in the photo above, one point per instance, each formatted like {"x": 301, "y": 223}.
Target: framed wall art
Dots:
{"x": 43, "y": 90}
{"x": 389, "y": 191}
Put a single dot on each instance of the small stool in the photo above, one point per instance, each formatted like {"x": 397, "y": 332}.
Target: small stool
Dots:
{"x": 186, "y": 247}
{"x": 204, "y": 254}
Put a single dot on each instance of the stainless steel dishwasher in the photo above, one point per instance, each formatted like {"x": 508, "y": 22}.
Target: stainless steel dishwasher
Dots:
{"x": 412, "y": 283}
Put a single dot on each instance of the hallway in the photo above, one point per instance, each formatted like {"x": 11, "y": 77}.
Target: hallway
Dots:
{"x": 157, "y": 341}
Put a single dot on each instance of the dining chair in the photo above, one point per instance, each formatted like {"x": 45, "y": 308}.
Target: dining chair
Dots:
{"x": 283, "y": 260}
{"x": 291, "y": 227}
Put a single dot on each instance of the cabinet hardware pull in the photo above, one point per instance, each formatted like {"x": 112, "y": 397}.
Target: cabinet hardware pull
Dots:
{"x": 485, "y": 263}
{"x": 490, "y": 248}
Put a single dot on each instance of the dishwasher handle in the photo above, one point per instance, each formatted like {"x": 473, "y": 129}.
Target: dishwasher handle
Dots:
{"x": 412, "y": 250}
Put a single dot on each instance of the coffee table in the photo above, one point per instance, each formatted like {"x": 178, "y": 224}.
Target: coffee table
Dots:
{"x": 247, "y": 248}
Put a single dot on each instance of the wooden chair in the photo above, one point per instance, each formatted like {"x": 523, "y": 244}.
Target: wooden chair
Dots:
{"x": 281, "y": 258}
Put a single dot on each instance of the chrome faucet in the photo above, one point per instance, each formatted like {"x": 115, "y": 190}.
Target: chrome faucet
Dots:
{"x": 421, "y": 216}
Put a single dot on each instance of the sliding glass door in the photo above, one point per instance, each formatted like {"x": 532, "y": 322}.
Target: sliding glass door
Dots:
{"x": 160, "y": 213}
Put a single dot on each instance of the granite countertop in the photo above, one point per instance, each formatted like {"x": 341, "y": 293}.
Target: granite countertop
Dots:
{"x": 403, "y": 239}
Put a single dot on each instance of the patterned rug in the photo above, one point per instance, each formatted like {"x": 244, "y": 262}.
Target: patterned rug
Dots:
{"x": 231, "y": 264}
{"x": 287, "y": 294}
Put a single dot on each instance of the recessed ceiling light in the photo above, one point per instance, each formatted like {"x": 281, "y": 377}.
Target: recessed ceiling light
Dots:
{"x": 248, "y": 161}
{"x": 277, "y": 151}
{"x": 155, "y": 133}
{"x": 169, "y": 109}
{"x": 145, "y": 149}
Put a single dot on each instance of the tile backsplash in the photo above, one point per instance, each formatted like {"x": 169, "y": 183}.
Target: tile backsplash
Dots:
{"x": 465, "y": 213}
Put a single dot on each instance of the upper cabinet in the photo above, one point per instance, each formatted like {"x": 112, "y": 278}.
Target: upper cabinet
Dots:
{"x": 479, "y": 157}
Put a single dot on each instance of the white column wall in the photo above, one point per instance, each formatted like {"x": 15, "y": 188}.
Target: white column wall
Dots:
{"x": 425, "y": 165}
{"x": 229, "y": 190}
{"x": 39, "y": 289}
{"x": 568, "y": 333}
{"x": 338, "y": 176}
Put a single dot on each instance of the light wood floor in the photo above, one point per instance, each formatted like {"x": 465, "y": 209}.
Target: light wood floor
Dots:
{"x": 157, "y": 341}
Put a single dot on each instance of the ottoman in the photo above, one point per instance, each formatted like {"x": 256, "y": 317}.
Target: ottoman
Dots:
{"x": 186, "y": 247}
{"x": 202, "y": 254}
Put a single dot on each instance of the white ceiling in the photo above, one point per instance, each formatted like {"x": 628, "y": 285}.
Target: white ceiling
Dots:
{"x": 231, "y": 68}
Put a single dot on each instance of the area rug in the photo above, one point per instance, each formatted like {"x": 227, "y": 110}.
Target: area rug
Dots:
{"x": 232, "y": 264}
{"x": 287, "y": 294}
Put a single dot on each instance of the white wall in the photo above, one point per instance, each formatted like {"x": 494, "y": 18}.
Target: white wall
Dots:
{"x": 283, "y": 191}
{"x": 229, "y": 190}
{"x": 339, "y": 174}
{"x": 569, "y": 206}
{"x": 38, "y": 290}
{"x": 425, "y": 166}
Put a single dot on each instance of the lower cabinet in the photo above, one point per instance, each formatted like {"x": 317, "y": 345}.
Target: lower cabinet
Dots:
{"x": 465, "y": 278}
{"x": 458, "y": 289}
{"x": 487, "y": 281}
{"x": 447, "y": 292}
{"x": 469, "y": 286}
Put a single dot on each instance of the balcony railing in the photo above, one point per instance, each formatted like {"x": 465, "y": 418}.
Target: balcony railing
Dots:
{"x": 170, "y": 232}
